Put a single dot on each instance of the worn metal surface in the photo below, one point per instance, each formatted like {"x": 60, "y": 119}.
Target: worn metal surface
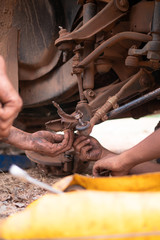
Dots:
{"x": 103, "y": 20}
{"x": 77, "y": 120}
{"x": 154, "y": 51}
{"x": 111, "y": 41}
{"x": 152, "y": 48}
{"x": 89, "y": 11}
{"x": 61, "y": 165}
{"x": 141, "y": 16}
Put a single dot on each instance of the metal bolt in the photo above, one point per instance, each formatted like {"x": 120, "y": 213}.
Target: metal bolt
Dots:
{"x": 91, "y": 93}
{"x": 81, "y": 122}
{"x": 64, "y": 56}
{"x": 144, "y": 82}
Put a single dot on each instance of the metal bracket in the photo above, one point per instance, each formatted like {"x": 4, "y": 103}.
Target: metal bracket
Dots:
{"x": 103, "y": 20}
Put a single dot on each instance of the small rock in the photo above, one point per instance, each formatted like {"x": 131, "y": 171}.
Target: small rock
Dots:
{"x": 20, "y": 205}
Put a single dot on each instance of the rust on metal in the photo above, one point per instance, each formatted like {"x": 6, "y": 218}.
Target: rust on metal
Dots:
{"x": 103, "y": 20}
{"x": 112, "y": 102}
{"x": 111, "y": 41}
{"x": 64, "y": 116}
{"x": 60, "y": 165}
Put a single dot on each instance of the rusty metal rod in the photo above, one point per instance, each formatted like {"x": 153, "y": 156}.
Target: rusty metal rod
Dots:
{"x": 112, "y": 101}
{"x": 89, "y": 11}
{"x": 111, "y": 41}
{"x": 80, "y": 86}
{"x": 133, "y": 104}
{"x": 130, "y": 83}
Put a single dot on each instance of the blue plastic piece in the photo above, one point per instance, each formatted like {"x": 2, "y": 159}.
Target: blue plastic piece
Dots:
{"x": 7, "y": 160}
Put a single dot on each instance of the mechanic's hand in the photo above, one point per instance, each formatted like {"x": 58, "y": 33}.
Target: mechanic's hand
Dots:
{"x": 51, "y": 144}
{"x": 115, "y": 165}
{"x": 10, "y": 101}
{"x": 87, "y": 148}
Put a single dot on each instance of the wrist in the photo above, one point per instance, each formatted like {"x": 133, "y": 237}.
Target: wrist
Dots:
{"x": 128, "y": 160}
{"x": 29, "y": 142}
{"x": 19, "y": 138}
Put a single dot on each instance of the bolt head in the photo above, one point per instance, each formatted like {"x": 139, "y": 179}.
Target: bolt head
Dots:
{"x": 91, "y": 93}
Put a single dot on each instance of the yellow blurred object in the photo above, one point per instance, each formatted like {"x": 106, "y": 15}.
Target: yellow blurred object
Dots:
{"x": 134, "y": 183}
{"x": 90, "y": 214}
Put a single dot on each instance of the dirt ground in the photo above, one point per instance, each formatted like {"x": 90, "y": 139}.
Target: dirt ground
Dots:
{"x": 15, "y": 194}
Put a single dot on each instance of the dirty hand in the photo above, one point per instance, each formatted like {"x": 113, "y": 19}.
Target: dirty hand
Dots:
{"x": 87, "y": 148}
{"x": 51, "y": 144}
{"x": 10, "y": 101}
{"x": 115, "y": 165}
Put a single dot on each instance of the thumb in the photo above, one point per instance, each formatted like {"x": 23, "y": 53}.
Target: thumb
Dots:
{"x": 101, "y": 168}
{"x": 96, "y": 169}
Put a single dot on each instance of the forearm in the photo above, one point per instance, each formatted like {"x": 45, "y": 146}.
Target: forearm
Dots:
{"x": 19, "y": 139}
{"x": 107, "y": 153}
{"x": 146, "y": 167}
{"x": 146, "y": 150}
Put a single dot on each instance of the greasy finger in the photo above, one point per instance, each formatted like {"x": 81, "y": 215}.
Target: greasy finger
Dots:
{"x": 96, "y": 171}
{"x": 81, "y": 145}
{"x": 95, "y": 154}
{"x": 67, "y": 142}
{"x": 84, "y": 152}
{"x": 61, "y": 147}
{"x": 58, "y": 137}
{"x": 48, "y": 136}
{"x": 78, "y": 140}
{"x": 71, "y": 139}
{"x": 97, "y": 168}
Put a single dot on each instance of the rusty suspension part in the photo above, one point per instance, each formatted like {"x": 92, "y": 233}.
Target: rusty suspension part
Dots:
{"x": 129, "y": 83}
{"x": 80, "y": 119}
{"x": 112, "y": 41}
{"x": 103, "y": 20}
{"x": 133, "y": 104}
{"x": 80, "y": 88}
{"x": 89, "y": 11}
{"x": 152, "y": 48}
{"x": 100, "y": 114}
{"x": 78, "y": 71}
